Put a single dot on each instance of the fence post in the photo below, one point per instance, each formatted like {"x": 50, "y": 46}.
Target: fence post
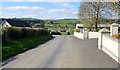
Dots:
{"x": 114, "y": 29}
{"x": 101, "y": 32}
{"x": 85, "y": 33}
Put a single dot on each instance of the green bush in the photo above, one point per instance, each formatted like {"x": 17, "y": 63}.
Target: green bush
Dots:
{"x": 12, "y": 33}
{"x": 17, "y": 40}
{"x": 56, "y": 33}
{"x": 76, "y": 30}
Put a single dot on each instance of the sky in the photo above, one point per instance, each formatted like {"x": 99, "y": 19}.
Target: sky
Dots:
{"x": 41, "y": 10}
{"x": 56, "y": 0}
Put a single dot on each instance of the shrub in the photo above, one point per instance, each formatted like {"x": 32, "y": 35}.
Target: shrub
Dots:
{"x": 23, "y": 33}
{"x": 42, "y": 32}
{"x": 17, "y": 40}
{"x": 56, "y": 33}
{"x": 116, "y": 36}
{"x": 76, "y": 30}
{"x": 12, "y": 33}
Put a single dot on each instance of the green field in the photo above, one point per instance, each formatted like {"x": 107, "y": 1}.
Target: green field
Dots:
{"x": 65, "y": 24}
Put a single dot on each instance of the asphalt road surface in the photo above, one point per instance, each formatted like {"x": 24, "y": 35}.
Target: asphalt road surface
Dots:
{"x": 64, "y": 52}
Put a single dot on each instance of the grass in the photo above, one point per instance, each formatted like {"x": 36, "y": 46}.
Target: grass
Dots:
{"x": 61, "y": 24}
{"x": 15, "y": 47}
{"x": 54, "y": 27}
{"x": 63, "y": 33}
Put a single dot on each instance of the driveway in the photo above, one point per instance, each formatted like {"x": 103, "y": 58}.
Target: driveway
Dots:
{"x": 64, "y": 52}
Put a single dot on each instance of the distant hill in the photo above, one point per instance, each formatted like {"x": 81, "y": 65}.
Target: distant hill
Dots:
{"x": 63, "y": 21}
{"x": 32, "y": 21}
{"x": 67, "y": 21}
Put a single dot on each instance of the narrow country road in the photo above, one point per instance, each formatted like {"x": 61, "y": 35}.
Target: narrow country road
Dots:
{"x": 64, "y": 52}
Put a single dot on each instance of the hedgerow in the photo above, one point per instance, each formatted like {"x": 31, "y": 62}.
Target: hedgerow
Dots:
{"x": 17, "y": 40}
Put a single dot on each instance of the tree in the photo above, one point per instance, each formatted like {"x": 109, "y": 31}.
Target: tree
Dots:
{"x": 42, "y": 24}
{"x": 92, "y": 12}
{"x": 115, "y": 6}
{"x": 51, "y": 22}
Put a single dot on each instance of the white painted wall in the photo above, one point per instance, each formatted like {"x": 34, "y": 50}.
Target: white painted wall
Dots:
{"x": 79, "y": 35}
{"x": 113, "y": 30}
{"x": 110, "y": 46}
{"x": 86, "y": 35}
{"x": 93, "y": 34}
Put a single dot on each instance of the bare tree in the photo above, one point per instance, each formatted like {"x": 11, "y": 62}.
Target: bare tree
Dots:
{"x": 92, "y": 12}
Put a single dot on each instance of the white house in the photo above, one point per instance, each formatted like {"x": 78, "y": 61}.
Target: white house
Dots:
{"x": 103, "y": 25}
{"x": 5, "y": 24}
{"x": 79, "y": 25}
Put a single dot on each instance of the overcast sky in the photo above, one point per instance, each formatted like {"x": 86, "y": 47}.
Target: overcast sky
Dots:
{"x": 42, "y": 10}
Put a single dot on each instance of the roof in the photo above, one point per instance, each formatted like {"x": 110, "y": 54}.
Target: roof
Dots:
{"x": 0, "y": 20}
{"x": 104, "y": 30}
{"x": 104, "y": 25}
{"x": 17, "y": 23}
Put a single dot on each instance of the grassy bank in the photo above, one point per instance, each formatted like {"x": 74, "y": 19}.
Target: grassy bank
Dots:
{"x": 13, "y": 45}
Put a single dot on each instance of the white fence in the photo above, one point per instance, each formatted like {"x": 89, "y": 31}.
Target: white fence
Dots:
{"x": 110, "y": 46}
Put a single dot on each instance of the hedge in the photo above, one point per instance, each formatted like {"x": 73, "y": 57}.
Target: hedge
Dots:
{"x": 17, "y": 40}
{"x": 12, "y": 33}
{"x": 56, "y": 33}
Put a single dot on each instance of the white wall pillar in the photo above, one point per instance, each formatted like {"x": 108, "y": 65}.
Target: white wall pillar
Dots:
{"x": 101, "y": 32}
{"x": 114, "y": 29}
{"x": 85, "y": 33}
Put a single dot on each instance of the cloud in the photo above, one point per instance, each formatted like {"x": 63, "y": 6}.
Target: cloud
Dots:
{"x": 62, "y": 12}
{"x": 23, "y": 0}
{"x": 38, "y": 12}
{"x": 67, "y": 5}
{"x": 41, "y": 10}
{"x": 30, "y": 15}
{"x": 6, "y": 15}
{"x": 35, "y": 0}
{"x": 18, "y": 15}
{"x": 0, "y": 13}
{"x": 57, "y": 11}
{"x": 75, "y": 13}
{"x": 25, "y": 8}
{"x": 59, "y": 0}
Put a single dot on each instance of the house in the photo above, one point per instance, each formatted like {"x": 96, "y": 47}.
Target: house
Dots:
{"x": 93, "y": 26}
{"x": 79, "y": 25}
{"x": 103, "y": 25}
{"x": 15, "y": 23}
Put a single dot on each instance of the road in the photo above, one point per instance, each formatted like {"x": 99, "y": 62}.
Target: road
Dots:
{"x": 64, "y": 52}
